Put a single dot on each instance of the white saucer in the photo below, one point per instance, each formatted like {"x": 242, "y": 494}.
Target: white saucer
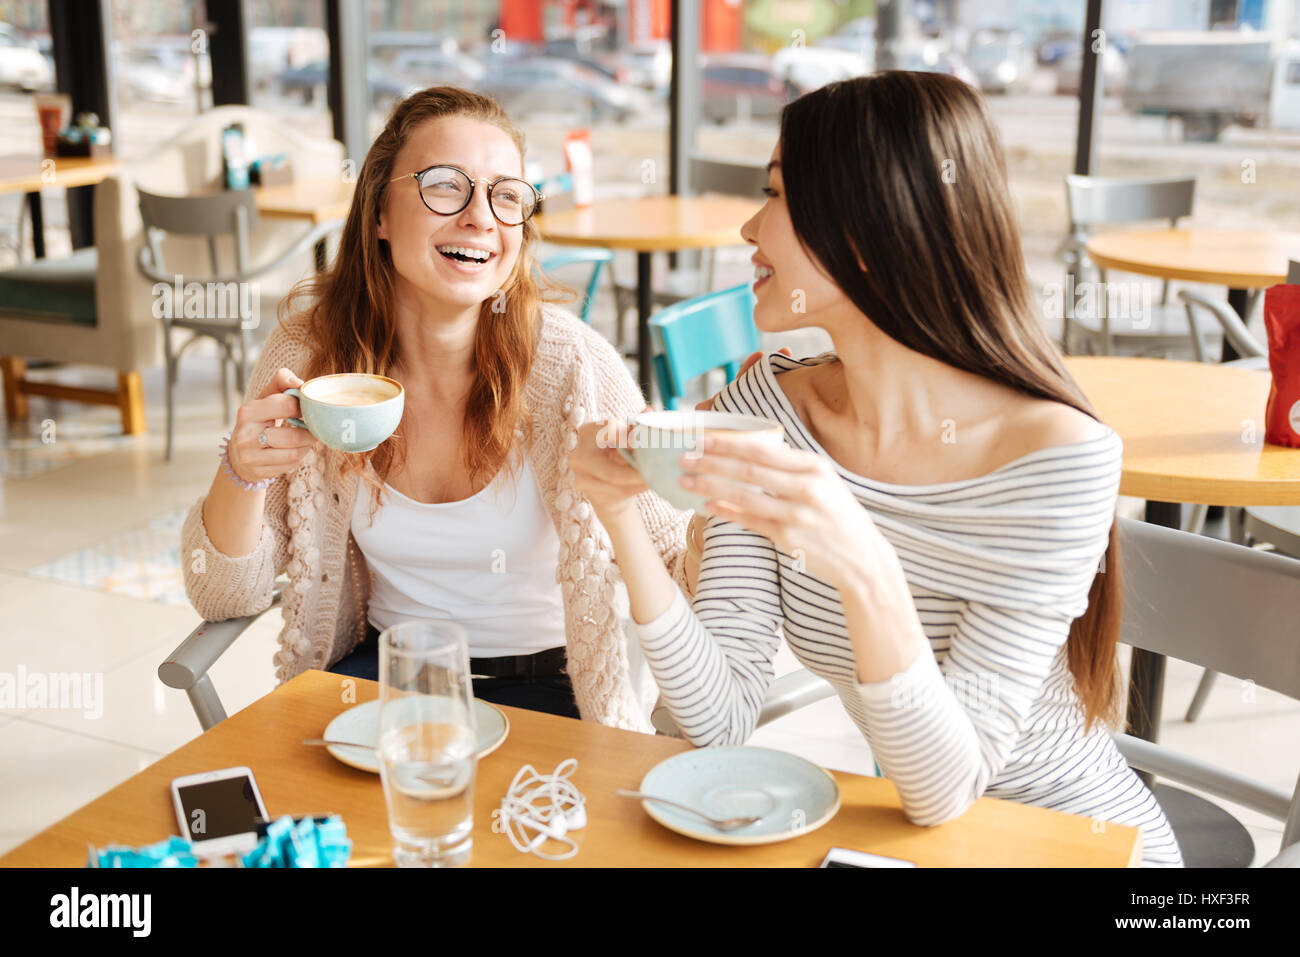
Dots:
{"x": 361, "y": 724}
{"x": 734, "y": 782}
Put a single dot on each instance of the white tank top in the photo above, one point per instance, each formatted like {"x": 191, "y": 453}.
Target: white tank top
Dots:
{"x": 486, "y": 562}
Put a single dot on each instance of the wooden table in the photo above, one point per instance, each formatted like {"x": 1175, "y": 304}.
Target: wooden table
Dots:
{"x": 300, "y": 780}
{"x": 1193, "y": 433}
{"x": 1239, "y": 260}
{"x": 30, "y": 174}
{"x": 314, "y": 200}
{"x": 647, "y": 225}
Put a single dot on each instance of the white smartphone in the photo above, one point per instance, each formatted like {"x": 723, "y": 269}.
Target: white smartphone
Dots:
{"x": 218, "y": 811}
{"x": 843, "y": 857}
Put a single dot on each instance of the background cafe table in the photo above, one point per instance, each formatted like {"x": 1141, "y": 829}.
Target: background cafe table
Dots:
{"x": 301, "y": 780}
{"x": 1239, "y": 260}
{"x": 1193, "y": 433}
{"x": 650, "y": 224}
{"x": 30, "y": 174}
{"x": 314, "y": 200}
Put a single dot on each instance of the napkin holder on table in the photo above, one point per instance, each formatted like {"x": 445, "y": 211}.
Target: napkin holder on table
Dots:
{"x": 274, "y": 170}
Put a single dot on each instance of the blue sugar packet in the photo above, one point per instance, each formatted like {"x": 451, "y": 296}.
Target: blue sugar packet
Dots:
{"x": 308, "y": 842}
{"x": 173, "y": 852}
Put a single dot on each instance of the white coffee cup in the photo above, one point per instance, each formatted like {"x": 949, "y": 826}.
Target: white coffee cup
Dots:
{"x": 656, "y": 441}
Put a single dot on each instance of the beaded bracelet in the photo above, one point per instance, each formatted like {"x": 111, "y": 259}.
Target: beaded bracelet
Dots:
{"x": 230, "y": 470}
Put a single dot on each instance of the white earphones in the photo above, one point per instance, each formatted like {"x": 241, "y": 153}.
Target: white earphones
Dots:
{"x": 548, "y": 806}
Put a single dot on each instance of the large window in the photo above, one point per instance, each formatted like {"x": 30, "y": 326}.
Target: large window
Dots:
{"x": 26, "y": 70}
{"x": 288, "y": 65}
{"x": 164, "y": 75}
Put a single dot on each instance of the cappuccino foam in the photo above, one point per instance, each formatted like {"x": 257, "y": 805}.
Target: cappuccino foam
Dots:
{"x": 363, "y": 392}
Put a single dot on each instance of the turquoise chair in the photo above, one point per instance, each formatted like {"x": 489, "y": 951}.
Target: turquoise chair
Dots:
{"x": 598, "y": 258}
{"x": 553, "y": 188}
{"x": 698, "y": 335}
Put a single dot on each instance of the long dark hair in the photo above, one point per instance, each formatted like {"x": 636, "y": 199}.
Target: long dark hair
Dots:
{"x": 903, "y": 172}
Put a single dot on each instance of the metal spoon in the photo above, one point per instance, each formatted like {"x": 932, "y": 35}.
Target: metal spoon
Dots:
{"x": 329, "y": 742}
{"x": 722, "y": 824}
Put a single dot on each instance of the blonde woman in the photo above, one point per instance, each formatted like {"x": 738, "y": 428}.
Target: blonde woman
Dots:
{"x": 469, "y": 511}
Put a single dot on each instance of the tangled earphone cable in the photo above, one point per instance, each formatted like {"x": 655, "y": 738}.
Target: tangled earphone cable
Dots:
{"x": 542, "y": 807}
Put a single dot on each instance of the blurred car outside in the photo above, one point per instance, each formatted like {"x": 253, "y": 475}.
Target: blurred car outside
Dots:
{"x": 1001, "y": 59}
{"x": 743, "y": 86}
{"x": 22, "y": 64}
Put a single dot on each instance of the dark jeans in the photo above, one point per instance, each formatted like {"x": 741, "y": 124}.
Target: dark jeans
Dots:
{"x": 552, "y": 694}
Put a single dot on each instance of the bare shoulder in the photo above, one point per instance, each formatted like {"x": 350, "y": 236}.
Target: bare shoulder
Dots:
{"x": 803, "y": 384}
{"x": 1046, "y": 423}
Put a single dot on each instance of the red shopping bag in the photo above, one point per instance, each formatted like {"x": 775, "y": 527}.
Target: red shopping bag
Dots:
{"x": 1282, "y": 322}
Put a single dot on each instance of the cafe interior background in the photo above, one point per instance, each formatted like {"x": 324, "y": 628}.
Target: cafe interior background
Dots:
{"x": 90, "y": 578}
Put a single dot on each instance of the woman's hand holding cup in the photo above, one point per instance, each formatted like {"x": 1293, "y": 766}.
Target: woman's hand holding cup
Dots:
{"x": 285, "y": 447}
{"x": 601, "y": 473}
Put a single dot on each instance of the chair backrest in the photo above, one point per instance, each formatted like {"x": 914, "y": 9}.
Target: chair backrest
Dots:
{"x": 227, "y": 213}
{"x": 187, "y": 164}
{"x": 1227, "y": 607}
{"x": 1095, "y": 200}
{"x": 596, "y": 256}
{"x": 1293, "y": 272}
{"x": 1234, "y": 330}
{"x": 730, "y": 177}
{"x": 698, "y": 335}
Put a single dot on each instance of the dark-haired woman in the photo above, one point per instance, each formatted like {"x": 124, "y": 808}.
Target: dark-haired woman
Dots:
{"x": 937, "y": 540}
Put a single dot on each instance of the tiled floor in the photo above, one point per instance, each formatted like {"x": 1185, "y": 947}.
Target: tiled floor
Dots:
{"x": 87, "y": 534}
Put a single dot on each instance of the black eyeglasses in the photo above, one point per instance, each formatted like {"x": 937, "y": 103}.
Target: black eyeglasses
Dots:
{"x": 446, "y": 190}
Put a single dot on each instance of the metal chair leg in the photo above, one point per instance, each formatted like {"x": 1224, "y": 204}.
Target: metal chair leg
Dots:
{"x": 241, "y": 370}
{"x": 203, "y": 696}
{"x": 169, "y": 380}
{"x": 1202, "y": 694}
{"x": 1196, "y": 519}
{"x": 224, "y": 358}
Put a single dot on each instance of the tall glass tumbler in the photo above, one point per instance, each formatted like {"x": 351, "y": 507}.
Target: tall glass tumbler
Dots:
{"x": 427, "y": 738}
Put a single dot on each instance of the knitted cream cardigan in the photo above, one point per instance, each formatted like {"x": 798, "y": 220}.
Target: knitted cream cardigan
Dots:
{"x": 306, "y": 531}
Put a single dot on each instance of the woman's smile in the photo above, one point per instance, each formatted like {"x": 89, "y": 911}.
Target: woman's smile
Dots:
{"x": 470, "y": 259}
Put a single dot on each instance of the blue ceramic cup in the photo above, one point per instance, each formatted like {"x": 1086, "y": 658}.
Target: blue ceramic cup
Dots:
{"x": 351, "y": 412}
{"x": 656, "y": 441}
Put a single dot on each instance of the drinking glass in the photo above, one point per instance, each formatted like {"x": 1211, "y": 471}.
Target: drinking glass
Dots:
{"x": 427, "y": 740}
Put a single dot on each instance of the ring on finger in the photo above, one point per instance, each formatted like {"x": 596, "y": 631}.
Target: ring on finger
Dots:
{"x": 262, "y": 440}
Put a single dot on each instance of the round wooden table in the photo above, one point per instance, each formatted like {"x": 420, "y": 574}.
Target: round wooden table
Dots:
{"x": 1239, "y": 260}
{"x": 1193, "y": 433}
{"x": 31, "y": 174}
{"x": 647, "y": 225}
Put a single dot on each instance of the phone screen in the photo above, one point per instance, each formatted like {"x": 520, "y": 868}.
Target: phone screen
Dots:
{"x": 220, "y": 808}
